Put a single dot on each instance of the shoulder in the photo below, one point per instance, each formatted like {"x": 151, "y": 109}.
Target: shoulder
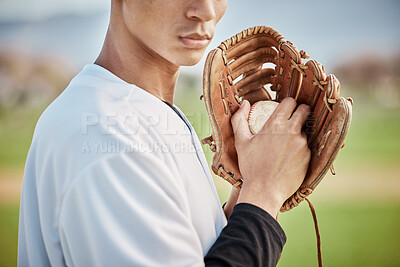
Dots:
{"x": 98, "y": 102}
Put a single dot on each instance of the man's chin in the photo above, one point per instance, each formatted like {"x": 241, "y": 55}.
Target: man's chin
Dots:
{"x": 191, "y": 60}
{"x": 190, "y": 64}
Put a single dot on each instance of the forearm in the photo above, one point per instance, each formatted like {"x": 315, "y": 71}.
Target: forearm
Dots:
{"x": 232, "y": 201}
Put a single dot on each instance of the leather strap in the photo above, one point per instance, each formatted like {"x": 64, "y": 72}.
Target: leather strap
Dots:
{"x": 314, "y": 215}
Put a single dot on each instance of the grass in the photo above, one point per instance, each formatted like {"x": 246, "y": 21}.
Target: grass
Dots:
{"x": 16, "y": 133}
{"x": 353, "y": 234}
{"x": 373, "y": 136}
{"x": 9, "y": 234}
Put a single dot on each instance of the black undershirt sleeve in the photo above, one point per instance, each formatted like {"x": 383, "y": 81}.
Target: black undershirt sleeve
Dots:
{"x": 252, "y": 237}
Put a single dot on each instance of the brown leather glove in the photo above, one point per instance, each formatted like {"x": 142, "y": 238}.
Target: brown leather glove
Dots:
{"x": 237, "y": 70}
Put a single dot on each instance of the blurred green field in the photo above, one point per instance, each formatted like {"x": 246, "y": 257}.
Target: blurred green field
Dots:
{"x": 358, "y": 209}
{"x": 9, "y": 234}
{"x": 353, "y": 234}
{"x": 16, "y": 133}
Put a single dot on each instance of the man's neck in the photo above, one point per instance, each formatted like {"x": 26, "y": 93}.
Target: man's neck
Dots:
{"x": 131, "y": 61}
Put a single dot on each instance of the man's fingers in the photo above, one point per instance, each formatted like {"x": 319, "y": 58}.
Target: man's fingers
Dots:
{"x": 239, "y": 122}
{"x": 285, "y": 109}
{"x": 300, "y": 116}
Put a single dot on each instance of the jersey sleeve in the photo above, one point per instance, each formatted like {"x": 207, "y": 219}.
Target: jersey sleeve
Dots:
{"x": 252, "y": 237}
{"x": 128, "y": 210}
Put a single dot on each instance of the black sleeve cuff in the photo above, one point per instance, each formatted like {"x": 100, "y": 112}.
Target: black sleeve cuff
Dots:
{"x": 252, "y": 237}
{"x": 251, "y": 210}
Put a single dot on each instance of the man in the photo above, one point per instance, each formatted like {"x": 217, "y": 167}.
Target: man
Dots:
{"x": 115, "y": 175}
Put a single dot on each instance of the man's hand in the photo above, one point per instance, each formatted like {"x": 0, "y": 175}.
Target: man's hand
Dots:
{"x": 273, "y": 162}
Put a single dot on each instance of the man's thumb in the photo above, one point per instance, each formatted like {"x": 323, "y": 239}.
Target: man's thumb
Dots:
{"x": 239, "y": 122}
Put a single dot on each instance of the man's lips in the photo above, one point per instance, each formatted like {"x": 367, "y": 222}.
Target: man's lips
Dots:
{"x": 195, "y": 41}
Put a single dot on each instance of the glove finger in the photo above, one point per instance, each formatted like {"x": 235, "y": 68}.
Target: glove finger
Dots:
{"x": 258, "y": 95}
{"x": 252, "y": 60}
{"x": 254, "y": 81}
{"x": 300, "y": 116}
{"x": 239, "y": 122}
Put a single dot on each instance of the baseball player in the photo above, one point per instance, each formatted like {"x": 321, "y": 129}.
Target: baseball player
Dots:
{"x": 116, "y": 176}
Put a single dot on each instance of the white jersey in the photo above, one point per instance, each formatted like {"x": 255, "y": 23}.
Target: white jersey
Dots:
{"x": 114, "y": 177}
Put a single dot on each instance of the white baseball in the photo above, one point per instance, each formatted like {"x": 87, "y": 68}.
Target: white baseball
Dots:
{"x": 259, "y": 114}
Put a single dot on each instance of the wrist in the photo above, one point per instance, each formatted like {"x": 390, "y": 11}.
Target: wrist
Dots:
{"x": 268, "y": 200}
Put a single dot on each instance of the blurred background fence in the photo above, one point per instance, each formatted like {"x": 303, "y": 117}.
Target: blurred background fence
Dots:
{"x": 43, "y": 44}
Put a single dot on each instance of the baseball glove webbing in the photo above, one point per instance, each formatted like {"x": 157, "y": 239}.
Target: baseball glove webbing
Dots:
{"x": 236, "y": 70}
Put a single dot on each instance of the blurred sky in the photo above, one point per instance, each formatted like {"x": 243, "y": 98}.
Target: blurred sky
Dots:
{"x": 30, "y": 10}
{"x": 330, "y": 31}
